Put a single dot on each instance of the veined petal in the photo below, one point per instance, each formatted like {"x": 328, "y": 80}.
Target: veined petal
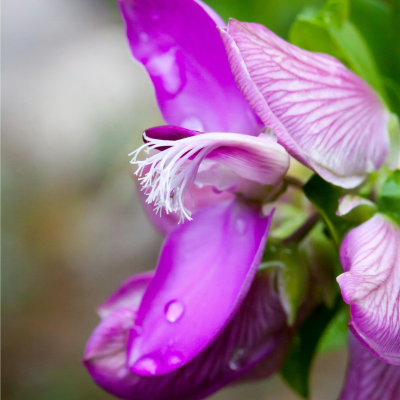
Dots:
{"x": 204, "y": 272}
{"x": 323, "y": 114}
{"x": 370, "y": 257}
{"x": 174, "y": 169}
{"x": 258, "y": 331}
{"x": 369, "y": 378}
{"x": 177, "y": 42}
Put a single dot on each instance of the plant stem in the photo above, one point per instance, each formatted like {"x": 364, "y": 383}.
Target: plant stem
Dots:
{"x": 298, "y": 235}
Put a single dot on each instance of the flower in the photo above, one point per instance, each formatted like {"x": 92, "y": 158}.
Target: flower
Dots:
{"x": 368, "y": 377}
{"x": 181, "y": 336}
{"x": 323, "y": 115}
{"x": 234, "y": 353}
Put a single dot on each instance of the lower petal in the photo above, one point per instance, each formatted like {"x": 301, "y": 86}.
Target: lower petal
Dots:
{"x": 258, "y": 332}
{"x": 205, "y": 270}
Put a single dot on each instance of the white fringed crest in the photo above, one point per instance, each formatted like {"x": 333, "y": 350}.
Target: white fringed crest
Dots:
{"x": 172, "y": 171}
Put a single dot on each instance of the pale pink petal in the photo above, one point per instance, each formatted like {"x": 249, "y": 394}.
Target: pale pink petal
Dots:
{"x": 322, "y": 113}
{"x": 350, "y": 201}
{"x": 370, "y": 257}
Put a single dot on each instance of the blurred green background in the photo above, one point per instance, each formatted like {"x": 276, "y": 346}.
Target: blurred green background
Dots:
{"x": 74, "y": 105}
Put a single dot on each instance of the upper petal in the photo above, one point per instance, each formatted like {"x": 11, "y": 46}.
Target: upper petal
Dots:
{"x": 257, "y": 332}
{"x": 177, "y": 42}
{"x": 323, "y": 114}
{"x": 370, "y": 257}
{"x": 204, "y": 272}
{"x": 369, "y": 378}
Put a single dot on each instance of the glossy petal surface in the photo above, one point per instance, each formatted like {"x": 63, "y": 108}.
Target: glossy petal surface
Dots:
{"x": 257, "y": 332}
{"x": 370, "y": 257}
{"x": 204, "y": 272}
{"x": 322, "y": 113}
{"x": 369, "y": 378}
{"x": 177, "y": 42}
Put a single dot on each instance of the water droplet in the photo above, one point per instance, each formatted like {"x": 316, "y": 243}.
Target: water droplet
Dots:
{"x": 147, "y": 365}
{"x": 166, "y": 67}
{"x": 174, "y": 310}
{"x": 236, "y": 361}
{"x": 174, "y": 359}
{"x": 193, "y": 123}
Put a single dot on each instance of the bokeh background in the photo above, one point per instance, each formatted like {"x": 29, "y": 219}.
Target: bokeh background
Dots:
{"x": 74, "y": 105}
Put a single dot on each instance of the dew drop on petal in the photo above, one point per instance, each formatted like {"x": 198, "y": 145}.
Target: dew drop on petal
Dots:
{"x": 236, "y": 360}
{"x": 174, "y": 310}
{"x": 147, "y": 365}
{"x": 174, "y": 359}
{"x": 193, "y": 123}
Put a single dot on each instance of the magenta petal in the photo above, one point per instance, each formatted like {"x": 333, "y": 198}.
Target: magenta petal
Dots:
{"x": 178, "y": 43}
{"x": 323, "y": 114}
{"x": 204, "y": 272}
{"x": 370, "y": 257}
{"x": 369, "y": 378}
{"x": 257, "y": 332}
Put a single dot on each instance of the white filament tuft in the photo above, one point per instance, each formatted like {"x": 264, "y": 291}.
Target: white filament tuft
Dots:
{"x": 172, "y": 171}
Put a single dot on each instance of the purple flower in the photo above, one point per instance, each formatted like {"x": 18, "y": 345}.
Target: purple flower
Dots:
{"x": 369, "y": 378}
{"x": 203, "y": 320}
{"x": 370, "y": 257}
{"x": 324, "y": 115}
{"x": 231, "y": 355}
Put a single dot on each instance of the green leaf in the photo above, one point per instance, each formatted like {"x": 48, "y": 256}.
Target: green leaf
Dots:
{"x": 336, "y": 333}
{"x": 296, "y": 368}
{"x": 376, "y": 21}
{"x": 323, "y": 262}
{"x": 292, "y": 275}
{"x": 389, "y": 197}
{"x": 330, "y": 31}
{"x": 325, "y": 197}
{"x": 393, "y": 159}
{"x": 276, "y": 15}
